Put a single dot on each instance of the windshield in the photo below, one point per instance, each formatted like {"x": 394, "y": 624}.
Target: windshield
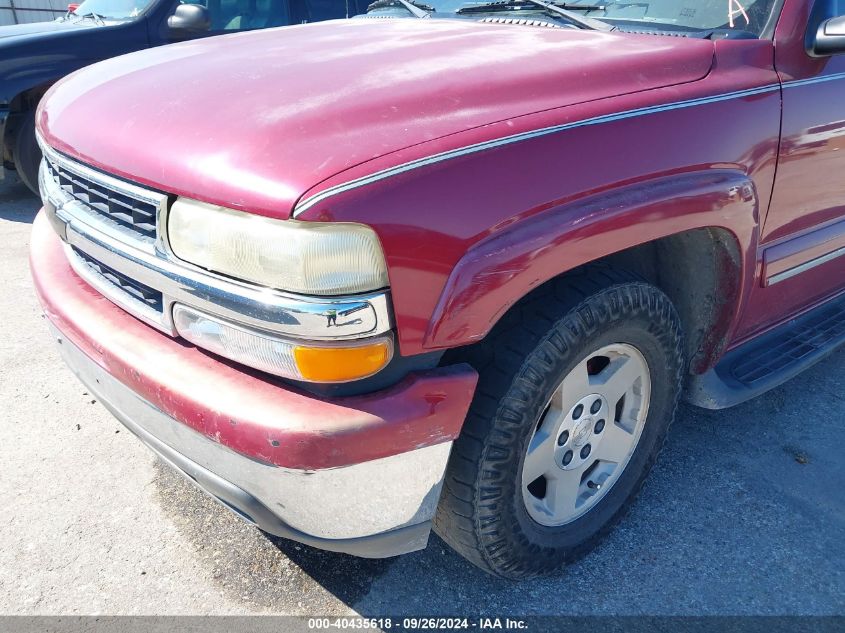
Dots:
{"x": 700, "y": 15}
{"x": 744, "y": 17}
{"x": 112, "y": 9}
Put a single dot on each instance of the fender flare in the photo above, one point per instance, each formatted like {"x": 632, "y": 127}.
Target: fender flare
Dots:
{"x": 502, "y": 269}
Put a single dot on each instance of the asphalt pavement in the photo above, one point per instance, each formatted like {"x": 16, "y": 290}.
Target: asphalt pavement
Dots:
{"x": 744, "y": 513}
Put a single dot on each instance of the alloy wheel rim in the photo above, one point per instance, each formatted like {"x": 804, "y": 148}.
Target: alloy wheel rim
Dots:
{"x": 586, "y": 435}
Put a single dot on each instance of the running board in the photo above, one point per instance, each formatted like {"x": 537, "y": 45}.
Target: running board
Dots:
{"x": 771, "y": 359}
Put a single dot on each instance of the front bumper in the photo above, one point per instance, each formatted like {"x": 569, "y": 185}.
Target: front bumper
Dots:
{"x": 317, "y": 501}
{"x": 360, "y": 475}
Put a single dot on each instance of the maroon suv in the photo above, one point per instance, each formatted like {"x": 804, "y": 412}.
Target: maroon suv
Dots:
{"x": 454, "y": 268}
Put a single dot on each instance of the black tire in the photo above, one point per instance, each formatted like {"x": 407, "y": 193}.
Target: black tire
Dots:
{"x": 27, "y": 153}
{"x": 481, "y": 513}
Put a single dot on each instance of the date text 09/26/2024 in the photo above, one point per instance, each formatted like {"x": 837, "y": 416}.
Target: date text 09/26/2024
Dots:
{"x": 418, "y": 623}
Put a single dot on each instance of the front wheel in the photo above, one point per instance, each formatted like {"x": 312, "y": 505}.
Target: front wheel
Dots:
{"x": 27, "y": 153}
{"x": 577, "y": 389}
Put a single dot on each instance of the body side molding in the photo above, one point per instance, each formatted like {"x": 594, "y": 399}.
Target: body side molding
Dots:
{"x": 307, "y": 203}
{"x": 798, "y": 254}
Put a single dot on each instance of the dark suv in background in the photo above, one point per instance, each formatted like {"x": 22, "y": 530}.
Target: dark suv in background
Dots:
{"x": 34, "y": 56}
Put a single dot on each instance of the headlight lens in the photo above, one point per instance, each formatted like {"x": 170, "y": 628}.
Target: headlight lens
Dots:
{"x": 340, "y": 362}
{"x": 305, "y": 257}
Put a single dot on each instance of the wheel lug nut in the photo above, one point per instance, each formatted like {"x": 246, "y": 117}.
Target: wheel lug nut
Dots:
{"x": 596, "y": 406}
{"x": 599, "y": 426}
{"x": 567, "y": 458}
{"x": 563, "y": 438}
{"x": 577, "y": 411}
{"x": 585, "y": 451}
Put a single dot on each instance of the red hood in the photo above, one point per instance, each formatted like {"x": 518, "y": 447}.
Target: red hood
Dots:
{"x": 254, "y": 120}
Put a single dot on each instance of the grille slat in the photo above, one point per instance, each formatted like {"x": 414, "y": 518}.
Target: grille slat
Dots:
{"x": 135, "y": 289}
{"x": 137, "y": 215}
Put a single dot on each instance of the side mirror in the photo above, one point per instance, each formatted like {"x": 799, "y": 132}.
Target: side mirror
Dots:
{"x": 830, "y": 38}
{"x": 189, "y": 19}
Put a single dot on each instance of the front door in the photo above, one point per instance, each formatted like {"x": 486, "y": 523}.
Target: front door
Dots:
{"x": 802, "y": 250}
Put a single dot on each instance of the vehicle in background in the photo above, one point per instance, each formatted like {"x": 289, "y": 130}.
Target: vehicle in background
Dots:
{"x": 28, "y": 11}
{"x": 34, "y": 56}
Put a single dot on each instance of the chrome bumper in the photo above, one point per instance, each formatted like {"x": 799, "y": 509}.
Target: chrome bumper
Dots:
{"x": 375, "y": 509}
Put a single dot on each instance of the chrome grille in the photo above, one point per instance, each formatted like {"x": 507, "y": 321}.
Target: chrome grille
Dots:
{"x": 132, "y": 208}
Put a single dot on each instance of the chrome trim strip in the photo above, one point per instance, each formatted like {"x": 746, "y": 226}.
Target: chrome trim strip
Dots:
{"x": 296, "y": 316}
{"x": 309, "y": 202}
{"x": 801, "y": 268}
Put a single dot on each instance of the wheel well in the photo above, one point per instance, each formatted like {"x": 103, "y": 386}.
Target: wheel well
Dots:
{"x": 28, "y": 99}
{"x": 19, "y": 106}
{"x": 700, "y": 271}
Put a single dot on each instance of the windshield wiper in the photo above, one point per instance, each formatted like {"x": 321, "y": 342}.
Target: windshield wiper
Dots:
{"x": 553, "y": 9}
{"x": 579, "y": 7}
{"x": 94, "y": 16}
{"x": 417, "y": 9}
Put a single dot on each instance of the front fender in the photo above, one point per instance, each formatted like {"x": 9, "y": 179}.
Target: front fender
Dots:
{"x": 41, "y": 72}
{"x": 548, "y": 191}
{"x": 497, "y": 272}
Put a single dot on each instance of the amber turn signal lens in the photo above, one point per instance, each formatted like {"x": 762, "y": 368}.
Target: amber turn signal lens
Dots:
{"x": 341, "y": 364}
{"x": 282, "y": 357}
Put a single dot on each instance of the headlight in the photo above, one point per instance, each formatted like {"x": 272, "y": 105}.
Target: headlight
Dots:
{"x": 338, "y": 362}
{"x": 304, "y": 257}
